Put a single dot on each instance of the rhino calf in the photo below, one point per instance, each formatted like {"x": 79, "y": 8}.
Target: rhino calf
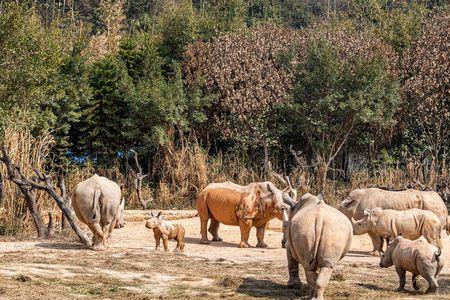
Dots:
{"x": 166, "y": 230}
{"x": 417, "y": 257}
{"x": 411, "y": 224}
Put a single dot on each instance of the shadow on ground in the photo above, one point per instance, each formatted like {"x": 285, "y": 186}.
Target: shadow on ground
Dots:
{"x": 266, "y": 288}
{"x": 62, "y": 246}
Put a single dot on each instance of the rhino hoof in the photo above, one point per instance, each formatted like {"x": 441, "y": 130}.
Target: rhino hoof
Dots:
{"x": 400, "y": 289}
{"x": 375, "y": 253}
{"x": 204, "y": 241}
{"x": 98, "y": 248}
{"x": 216, "y": 239}
{"x": 244, "y": 245}
{"x": 294, "y": 283}
{"x": 261, "y": 245}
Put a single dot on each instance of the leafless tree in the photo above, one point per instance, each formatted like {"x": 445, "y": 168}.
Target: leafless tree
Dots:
{"x": 28, "y": 188}
{"x": 139, "y": 176}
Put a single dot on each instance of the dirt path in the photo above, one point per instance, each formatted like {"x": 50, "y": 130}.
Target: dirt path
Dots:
{"x": 130, "y": 268}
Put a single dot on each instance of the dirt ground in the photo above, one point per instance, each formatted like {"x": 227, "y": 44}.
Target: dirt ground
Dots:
{"x": 130, "y": 268}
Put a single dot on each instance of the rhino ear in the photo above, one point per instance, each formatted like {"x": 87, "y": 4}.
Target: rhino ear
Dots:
{"x": 321, "y": 197}
{"x": 151, "y": 214}
{"x": 159, "y": 216}
{"x": 348, "y": 202}
{"x": 269, "y": 188}
{"x": 367, "y": 212}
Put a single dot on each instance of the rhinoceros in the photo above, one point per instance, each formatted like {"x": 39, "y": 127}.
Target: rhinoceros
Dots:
{"x": 97, "y": 203}
{"x": 318, "y": 236}
{"x": 417, "y": 257}
{"x": 361, "y": 199}
{"x": 411, "y": 224}
{"x": 239, "y": 208}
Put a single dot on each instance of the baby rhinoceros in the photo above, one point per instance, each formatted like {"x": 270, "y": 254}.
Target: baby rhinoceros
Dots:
{"x": 411, "y": 224}
{"x": 166, "y": 230}
{"x": 417, "y": 257}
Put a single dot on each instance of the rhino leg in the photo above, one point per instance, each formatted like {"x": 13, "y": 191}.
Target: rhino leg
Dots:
{"x": 245, "y": 227}
{"x": 157, "y": 243}
{"x": 166, "y": 244}
{"x": 377, "y": 242}
{"x": 432, "y": 284}
{"x": 214, "y": 230}
{"x": 311, "y": 277}
{"x": 322, "y": 281}
{"x": 180, "y": 240}
{"x": 203, "y": 230}
{"x": 260, "y": 231}
{"x": 414, "y": 282}
{"x": 294, "y": 278}
{"x": 402, "y": 278}
{"x": 97, "y": 237}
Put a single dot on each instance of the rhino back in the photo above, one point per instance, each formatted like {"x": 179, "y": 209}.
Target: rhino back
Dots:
{"x": 84, "y": 195}
{"x": 319, "y": 236}
{"x": 413, "y": 255}
{"x": 397, "y": 200}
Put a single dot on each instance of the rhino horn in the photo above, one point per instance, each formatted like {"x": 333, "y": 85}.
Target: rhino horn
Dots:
{"x": 288, "y": 200}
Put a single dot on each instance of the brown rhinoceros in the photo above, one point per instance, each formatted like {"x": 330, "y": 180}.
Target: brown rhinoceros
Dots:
{"x": 362, "y": 199}
{"x": 97, "y": 202}
{"x": 318, "y": 236}
{"x": 411, "y": 224}
{"x": 245, "y": 209}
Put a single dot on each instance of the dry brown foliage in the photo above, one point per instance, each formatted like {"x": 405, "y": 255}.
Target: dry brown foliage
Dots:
{"x": 112, "y": 16}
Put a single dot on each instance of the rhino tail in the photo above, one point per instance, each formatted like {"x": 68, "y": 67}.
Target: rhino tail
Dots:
{"x": 95, "y": 204}
{"x": 437, "y": 254}
{"x": 317, "y": 237}
{"x": 447, "y": 225}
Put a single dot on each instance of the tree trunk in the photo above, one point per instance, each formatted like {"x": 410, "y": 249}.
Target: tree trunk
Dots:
{"x": 30, "y": 200}
{"x": 321, "y": 176}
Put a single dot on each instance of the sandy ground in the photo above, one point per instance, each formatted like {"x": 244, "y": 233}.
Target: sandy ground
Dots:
{"x": 131, "y": 269}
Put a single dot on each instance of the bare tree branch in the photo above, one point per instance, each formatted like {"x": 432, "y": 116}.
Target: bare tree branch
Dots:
{"x": 139, "y": 176}
{"x": 27, "y": 186}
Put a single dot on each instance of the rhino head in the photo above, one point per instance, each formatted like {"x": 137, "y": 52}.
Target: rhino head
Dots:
{"x": 348, "y": 207}
{"x": 154, "y": 220}
{"x": 275, "y": 200}
{"x": 289, "y": 205}
{"x": 367, "y": 223}
{"x": 386, "y": 257}
{"x": 120, "y": 223}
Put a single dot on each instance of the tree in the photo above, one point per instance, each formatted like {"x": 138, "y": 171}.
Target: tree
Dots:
{"x": 426, "y": 110}
{"x": 244, "y": 72}
{"x": 344, "y": 79}
{"x": 30, "y": 55}
{"x": 105, "y": 120}
{"x": 178, "y": 28}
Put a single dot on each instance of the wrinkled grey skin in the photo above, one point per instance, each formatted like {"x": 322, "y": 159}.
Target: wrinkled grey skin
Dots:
{"x": 362, "y": 199}
{"x": 317, "y": 236}
{"x": 411, "y": 224}
{"x": 417, "y": 257}
{"x": 97, "y": 203}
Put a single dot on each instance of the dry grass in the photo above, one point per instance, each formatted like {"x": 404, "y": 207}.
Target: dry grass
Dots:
{"x": 29, "y": 153}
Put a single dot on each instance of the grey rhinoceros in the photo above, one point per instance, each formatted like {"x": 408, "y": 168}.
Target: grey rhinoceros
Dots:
{"x": 317, "y": 236}
{"x": 361, "y": 199}
{"x": 97, "y": 203}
